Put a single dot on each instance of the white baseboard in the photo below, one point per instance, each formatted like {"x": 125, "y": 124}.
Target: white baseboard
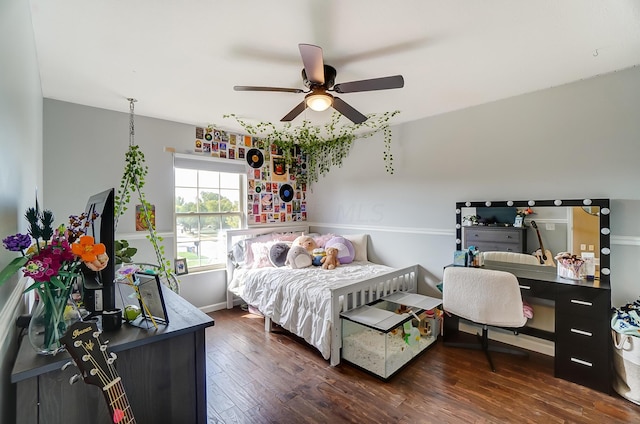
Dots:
{"x": 214, "y": 307}
{"x": 9, "y": 313}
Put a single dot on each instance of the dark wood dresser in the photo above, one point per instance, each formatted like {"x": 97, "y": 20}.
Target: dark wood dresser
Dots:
{"x": 495, "y": 239}
{"x": 163, "y": 372}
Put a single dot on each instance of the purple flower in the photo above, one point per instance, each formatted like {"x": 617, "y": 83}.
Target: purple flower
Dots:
{"x": 17, "y": 243}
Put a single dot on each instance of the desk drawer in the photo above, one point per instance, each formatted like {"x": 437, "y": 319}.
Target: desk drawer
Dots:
{"x": 585, "y": 338}
{"x": 492, "y": 234}
{"x": 593, "y": 372}
{"x": 539, "y": 289}
{"x": 583, "y": 302}
{"x": 489, "y": 246}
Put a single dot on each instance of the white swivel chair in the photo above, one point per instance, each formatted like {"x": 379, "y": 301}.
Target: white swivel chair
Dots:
{"x": 486, "y": 297}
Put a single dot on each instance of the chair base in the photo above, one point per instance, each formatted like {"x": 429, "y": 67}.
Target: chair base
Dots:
{"x": 484, "y": 345}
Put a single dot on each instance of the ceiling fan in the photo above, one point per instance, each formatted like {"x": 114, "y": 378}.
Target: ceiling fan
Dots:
{"x": 320, "y": 78}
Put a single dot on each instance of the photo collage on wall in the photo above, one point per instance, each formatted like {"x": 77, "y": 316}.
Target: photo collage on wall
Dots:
{"x": 273, "y": 194}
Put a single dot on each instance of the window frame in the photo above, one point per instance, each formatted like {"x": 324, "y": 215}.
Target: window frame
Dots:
{"x": 203, "y": 163}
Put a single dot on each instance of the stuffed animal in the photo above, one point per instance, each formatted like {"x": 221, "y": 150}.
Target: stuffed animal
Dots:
{"x": 298, "y": 257}
{"x": 307, "y": 242}
{"x": 318, "y": 254}
{"x": 330, "y": 260}
{"x": 346, "y": 252}
{"x": 278, "y": 254}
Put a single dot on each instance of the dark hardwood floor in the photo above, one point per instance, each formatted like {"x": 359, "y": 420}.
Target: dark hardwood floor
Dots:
{"x": 258, "y": 377}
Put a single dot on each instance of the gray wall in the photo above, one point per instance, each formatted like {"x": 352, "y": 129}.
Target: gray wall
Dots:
{"x": 581, "y": 140}
{"x": 575, "y": 141}
{"x": 95, "y": 141}
{"x": 20, "y": 165}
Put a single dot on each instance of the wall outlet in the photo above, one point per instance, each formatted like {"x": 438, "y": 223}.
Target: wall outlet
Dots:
{"x": 591, "y": 247}
{"x": 583, "y": 246}
{"x": 550, "y": 226}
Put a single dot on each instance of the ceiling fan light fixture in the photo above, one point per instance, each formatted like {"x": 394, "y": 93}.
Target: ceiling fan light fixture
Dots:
{"x": 319, "y": 101}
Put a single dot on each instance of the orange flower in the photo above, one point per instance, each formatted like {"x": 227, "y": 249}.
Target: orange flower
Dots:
{"x": 87, "y": 250}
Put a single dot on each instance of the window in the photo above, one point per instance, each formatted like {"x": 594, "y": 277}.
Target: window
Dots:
{"x": 209, "y": 199}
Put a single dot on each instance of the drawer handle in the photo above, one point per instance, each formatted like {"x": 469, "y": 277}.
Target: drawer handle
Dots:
{"x": 525, "y": 287}
{"x": 581, "y": 302}
{"x": 581, "y": 362}
{"x": 581, "y": 332}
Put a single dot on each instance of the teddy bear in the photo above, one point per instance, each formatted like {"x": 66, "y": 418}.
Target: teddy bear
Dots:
{"x": 298, "y": 257}
{"x": 330, "y": 259}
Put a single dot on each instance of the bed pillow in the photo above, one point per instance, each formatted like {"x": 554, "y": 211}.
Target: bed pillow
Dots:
{"x": 261, "y": 255}
{"x": 346, "y": 252}
{"x": 359, "y": 242}
{"x": 237, "y": 254}
{"x": 322, "y": 239}
{"x": 286, "y": 236}
{"x": 278, "y": 253}
{"x": 249, "y": 249}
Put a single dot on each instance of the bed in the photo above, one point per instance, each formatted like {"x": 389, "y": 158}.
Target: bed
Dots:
{"x": 306, "y": 302}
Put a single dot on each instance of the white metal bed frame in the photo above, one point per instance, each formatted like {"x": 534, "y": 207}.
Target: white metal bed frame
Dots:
{"x": 343, "y": 298}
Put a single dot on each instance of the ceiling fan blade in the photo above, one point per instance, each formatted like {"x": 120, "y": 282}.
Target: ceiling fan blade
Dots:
{"x": 348, "y": 111}
{"x": 254, "y": 88}
{"x": 384, "y": 83}
{"x": 313, "y": 63}
{"x": 295, "y": 112}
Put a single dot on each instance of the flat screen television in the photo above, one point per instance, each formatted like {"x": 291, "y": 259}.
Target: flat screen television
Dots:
{"x": 99, "y": 287}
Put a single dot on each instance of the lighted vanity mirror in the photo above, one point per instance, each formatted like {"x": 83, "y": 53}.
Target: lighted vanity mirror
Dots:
{"x": 576, "y": 226}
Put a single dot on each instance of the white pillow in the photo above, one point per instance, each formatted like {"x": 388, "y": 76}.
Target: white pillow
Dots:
{"x": 261, "y": 254}
{"x": 359, "y": 242}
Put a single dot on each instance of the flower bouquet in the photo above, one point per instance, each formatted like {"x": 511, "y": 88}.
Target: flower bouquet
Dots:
{"x": 52, "y": 259}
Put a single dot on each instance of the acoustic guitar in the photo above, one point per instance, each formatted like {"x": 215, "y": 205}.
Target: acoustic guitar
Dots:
{"x": 96, "y": 364}
{"x": 544, "y": 255}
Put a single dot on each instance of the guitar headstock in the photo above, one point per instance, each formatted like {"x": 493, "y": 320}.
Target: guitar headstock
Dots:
{"x": 90, "y": 354}
{"x": 534, "y": 225}
{"x": 96, "y": 364}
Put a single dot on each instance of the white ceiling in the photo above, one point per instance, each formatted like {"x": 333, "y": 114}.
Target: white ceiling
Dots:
{"x": 181, "y": 59}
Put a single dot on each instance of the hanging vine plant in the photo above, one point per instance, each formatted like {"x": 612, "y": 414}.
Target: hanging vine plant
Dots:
{"x": 320, "y": 147}
{"x": 133, "y": 180}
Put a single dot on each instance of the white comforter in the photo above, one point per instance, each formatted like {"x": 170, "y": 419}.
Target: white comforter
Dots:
{"x": 299, "y": 300}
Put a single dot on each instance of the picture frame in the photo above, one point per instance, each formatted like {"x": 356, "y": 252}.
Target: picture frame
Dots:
{"x": 151, "y": 299}
{"x": 519, "y": 222}
{"x": 181, "y": 266}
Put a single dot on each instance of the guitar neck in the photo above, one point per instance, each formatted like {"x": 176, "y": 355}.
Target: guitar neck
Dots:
{"x": 118, "y": 403}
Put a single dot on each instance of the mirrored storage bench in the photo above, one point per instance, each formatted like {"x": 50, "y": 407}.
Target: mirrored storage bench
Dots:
{"x": 384, "y": 336}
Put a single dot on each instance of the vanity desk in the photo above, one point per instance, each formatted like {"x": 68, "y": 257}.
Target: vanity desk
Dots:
{"x": 582, "y": 308}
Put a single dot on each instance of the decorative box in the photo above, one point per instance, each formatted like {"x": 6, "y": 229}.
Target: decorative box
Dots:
{"x": 573, "y": 271}
{"x": 383, "y": 336}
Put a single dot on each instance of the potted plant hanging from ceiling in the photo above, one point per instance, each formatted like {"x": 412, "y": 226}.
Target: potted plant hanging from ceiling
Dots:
{"x": 321, "y": 146}
{"x": 133, "y": 181}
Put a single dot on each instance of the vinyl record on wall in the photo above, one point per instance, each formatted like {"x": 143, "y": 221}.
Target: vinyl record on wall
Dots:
{"x": 255, "y": 159}
{"x": 286, "y": 193}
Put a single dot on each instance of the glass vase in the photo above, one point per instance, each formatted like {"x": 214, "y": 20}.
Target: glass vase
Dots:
{"x": 52, "y": 314}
